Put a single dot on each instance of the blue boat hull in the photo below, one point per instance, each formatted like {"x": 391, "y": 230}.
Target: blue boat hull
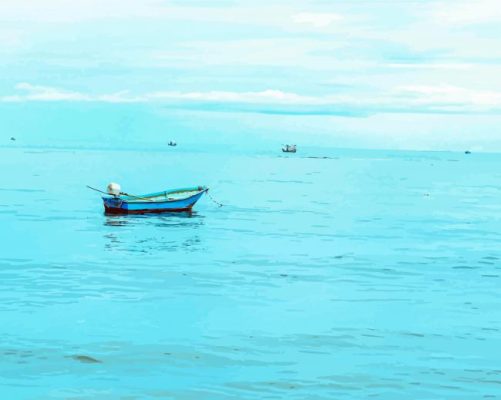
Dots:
{"x": 124, "y": 205}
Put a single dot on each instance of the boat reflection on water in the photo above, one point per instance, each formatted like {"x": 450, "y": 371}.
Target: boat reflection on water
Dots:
{"x": 116, "y": 221}
{"x": 140, "y": 233}
{"x": 173, "y": 218}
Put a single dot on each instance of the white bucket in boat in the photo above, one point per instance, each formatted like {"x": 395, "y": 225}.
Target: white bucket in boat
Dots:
{"x": 114, "y": 189}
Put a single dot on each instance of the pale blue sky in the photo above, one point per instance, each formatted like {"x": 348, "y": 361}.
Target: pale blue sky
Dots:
{"x": 387, "y": 74}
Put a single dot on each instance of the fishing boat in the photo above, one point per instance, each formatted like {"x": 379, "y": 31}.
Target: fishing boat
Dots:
{"x": 289, "y": 148}
{"x": 176, "y": 200}
{"x": 171, "y": 143}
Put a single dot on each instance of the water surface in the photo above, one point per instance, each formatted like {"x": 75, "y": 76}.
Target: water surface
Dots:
{"x": 328, "y": 274}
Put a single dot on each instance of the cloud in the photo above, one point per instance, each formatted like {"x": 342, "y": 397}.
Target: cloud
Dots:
{"x": 407, "y": 98}
{"x": 450, "y": 97}
{"x": 241, "y": 12}
{"x": 46, "y": 93}
{"x": 268, "y": 52}
{"x": 468, "y": 12}
{"x": 317, "y": 20}
{"x": 78, "y": 10}
{"x": 265, "y": 96}
{"x": 432, "y": 66}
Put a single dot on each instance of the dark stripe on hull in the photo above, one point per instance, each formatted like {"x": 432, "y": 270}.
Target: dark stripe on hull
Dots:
{"x": 122, "y": 211}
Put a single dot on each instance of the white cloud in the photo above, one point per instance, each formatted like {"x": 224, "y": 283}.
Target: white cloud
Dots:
{"x": 284, "y": 52}
{"x": 432, "y": 66}
{"x": 71, "y": 11}
{"x": 448, "y": 96}
{"x": 265, "y": 96}
{"x": 317, "y": 20}
{"x": 468, "y": 12}
{"x": 407, "y": 98}
{"x": 78, "y": 10}
{"x": 10, "y": 38}
{"x": 46, "y": 93}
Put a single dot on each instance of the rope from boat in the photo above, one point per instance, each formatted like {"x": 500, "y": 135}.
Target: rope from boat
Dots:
{"x": 212, "y": 198}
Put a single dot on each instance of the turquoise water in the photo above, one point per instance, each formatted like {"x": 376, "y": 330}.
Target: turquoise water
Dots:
{"x": 364, "y": 274}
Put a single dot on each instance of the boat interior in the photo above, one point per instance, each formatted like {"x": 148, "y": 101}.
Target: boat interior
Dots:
{"x": 170, "y": 195}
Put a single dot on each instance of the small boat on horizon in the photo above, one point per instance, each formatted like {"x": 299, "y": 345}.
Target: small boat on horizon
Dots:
{"x": 176, "y": 200}
{"x": 289, "y": 148}
{"x": 171, "y": 143}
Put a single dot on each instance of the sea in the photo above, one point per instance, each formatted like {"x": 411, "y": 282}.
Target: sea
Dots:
{"x": 326, "y": 274}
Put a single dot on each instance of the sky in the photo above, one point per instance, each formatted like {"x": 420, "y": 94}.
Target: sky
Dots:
{"x": 403, "y": 74}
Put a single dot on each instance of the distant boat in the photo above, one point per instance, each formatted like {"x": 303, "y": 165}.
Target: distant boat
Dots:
{"x": 289, "y": 148}
{"x": 118, "y": 202}
{"x": 13, "y": 138}
{"x": 171, "y": 143}
{"x": 467, "y": 152}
